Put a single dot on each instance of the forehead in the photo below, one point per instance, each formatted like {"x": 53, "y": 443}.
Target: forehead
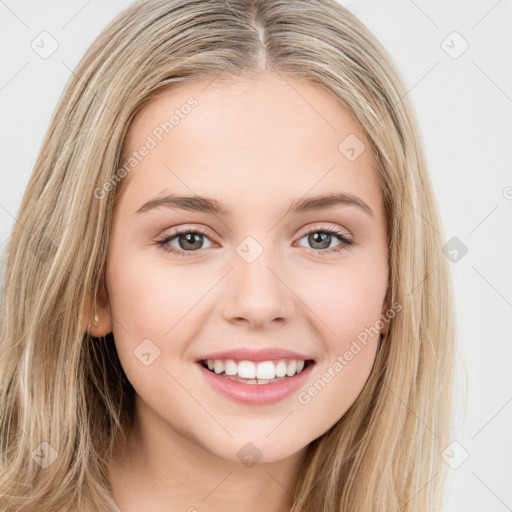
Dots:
{"x": 242, "y": 137}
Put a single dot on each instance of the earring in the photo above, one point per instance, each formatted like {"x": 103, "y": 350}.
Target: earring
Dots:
{"x": 96, "y": 321}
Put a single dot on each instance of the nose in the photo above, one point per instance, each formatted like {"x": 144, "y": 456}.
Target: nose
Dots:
{"x": 258, "y": 294}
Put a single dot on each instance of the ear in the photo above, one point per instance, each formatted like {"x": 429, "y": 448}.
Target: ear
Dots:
{"x": 104, "y": 324}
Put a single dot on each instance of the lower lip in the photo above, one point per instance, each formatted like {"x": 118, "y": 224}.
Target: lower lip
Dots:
{"x": 256, "y": 394}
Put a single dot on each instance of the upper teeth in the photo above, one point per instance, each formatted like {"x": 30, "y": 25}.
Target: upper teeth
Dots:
{"x": 257, "y": 370}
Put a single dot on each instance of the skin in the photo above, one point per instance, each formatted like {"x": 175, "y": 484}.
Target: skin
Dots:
{"x": 256, "y": 144}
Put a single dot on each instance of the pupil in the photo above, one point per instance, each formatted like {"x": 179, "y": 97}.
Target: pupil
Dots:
{"x": 188, "y": 238}
{"x": 323, "y": 237}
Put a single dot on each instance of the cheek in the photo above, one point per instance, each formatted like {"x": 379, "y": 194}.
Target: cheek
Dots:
{"x": 153, "y": 302}
{"x": 347, "y": 304}
{"x": 347, "y": 300}
{"x": 147, "y": 296}
{"x": 146, "y": 325}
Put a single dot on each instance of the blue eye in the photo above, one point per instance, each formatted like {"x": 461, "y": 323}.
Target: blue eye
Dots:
{"x": 191, "y": 240}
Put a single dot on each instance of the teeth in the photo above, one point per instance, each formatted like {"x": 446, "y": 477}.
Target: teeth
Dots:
{"x": 218, "y": 366}
{"x": 281, "y": 369}
{"x": 265, "y": 370}
{"x": 230, "y": 367}
{"x": 262, "y": 370}
{"x": 291, "y": 369}
{"x": 246, "y": 370}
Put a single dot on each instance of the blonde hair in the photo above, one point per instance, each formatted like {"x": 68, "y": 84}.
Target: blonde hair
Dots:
{"x": 59, "y": 385}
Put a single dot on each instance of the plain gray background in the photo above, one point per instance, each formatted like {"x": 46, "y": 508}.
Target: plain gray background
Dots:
{"x": 463, "y": 99}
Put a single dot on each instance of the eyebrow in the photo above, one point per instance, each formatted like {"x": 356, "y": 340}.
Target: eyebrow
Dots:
{"x": 215, "y": 207}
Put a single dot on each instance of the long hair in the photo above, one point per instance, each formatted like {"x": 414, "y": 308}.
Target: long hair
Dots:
{"x": 63, "y": 393}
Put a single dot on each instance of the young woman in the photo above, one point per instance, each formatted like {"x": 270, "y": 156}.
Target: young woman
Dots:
{"x": 225, "y": 288}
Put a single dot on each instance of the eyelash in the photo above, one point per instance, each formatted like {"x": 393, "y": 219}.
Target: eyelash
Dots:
{"x": 345, "y": 241}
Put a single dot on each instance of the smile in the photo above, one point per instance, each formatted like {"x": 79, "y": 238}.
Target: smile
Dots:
{"x": 255, "y": 383}
{"x": 255, "y": 372}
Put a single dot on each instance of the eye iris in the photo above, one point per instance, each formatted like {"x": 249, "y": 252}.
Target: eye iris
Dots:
{"x": 188, "y": 238}
{"x": 312, "y": 239}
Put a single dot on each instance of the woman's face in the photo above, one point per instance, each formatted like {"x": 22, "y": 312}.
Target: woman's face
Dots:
{"x": 268, "y": 273}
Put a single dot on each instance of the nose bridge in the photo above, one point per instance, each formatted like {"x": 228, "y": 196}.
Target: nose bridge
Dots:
{"x": 257, "y": 292}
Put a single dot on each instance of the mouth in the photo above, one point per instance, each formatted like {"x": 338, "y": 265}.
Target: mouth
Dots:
{"x": 256, "y": 383}
{"x": 256, "y": 372}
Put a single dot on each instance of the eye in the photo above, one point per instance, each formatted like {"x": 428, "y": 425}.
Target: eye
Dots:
{"x": 191, "y": 240}
{"x": 188, "y": 240}
{"x": 321, "y": 238}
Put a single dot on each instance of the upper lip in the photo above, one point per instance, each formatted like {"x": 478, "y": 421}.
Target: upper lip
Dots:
{"x": 251, "y": 354}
